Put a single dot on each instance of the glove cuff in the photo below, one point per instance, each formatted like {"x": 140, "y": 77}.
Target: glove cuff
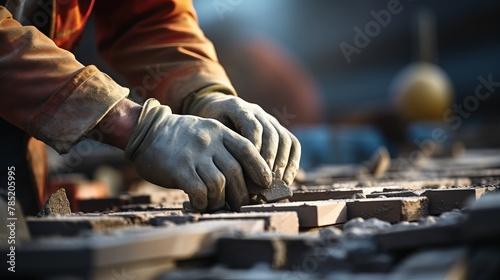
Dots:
{"x": 146, "y": 119}
{"x": 192, "y": 99}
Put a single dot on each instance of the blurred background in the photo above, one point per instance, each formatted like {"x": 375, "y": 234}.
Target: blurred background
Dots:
{"x": 349, "y": 77}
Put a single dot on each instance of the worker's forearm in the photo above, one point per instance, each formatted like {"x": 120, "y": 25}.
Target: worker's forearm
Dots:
{"x": 117, "y": 126}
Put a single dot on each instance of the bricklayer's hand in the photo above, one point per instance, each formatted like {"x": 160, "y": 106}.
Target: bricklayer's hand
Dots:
{"x": 200, "y": 156}
{"x": 279, "y": 148}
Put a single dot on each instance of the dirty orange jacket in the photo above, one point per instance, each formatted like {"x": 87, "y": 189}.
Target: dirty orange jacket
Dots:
{"x": 156, "y": 45}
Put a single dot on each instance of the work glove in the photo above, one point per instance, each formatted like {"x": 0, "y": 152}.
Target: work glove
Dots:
{"x": 199, "y": 156}
{"x": 279, "y": 148}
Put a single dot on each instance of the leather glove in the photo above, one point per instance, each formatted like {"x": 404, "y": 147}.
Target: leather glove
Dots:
{"x": 199, "y": 156}
{"x": 279, "y": 148}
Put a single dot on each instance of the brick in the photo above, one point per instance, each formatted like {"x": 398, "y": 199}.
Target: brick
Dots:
{"x": 484, "y": 262}
{"x": 417, "y": 184}
{"x": 178, "y": 219}
{"x": 482, "y": 219}
{"x": 57, "y": 203}
{"x": 130, "y": 247}
{"x": 473, "y": 174}
{"x": 396, "y": 183}
{"x": 312, "y": 195}
{"x": 146, "y": 217}
{"x": 278, "y": 251}
{"x": 112, "y": 203}
{"x": 311, "y": 213}
{"x": 391, "y": 210}
{"x": 72, "y": 225}
{"x": 280, "y": 222}
{"x": 433, "y": 264}
{"x": 404, "y": 193}
{"x": 444, "y": 200}
{"x": 238, "y": 274}
{"x": 418, "y": 237}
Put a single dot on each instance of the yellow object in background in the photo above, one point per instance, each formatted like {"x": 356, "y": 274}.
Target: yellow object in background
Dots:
{"x": 422, "y": 92}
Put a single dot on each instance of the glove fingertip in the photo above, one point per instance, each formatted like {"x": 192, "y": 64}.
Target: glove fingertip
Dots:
{"x": 198, "y": 203}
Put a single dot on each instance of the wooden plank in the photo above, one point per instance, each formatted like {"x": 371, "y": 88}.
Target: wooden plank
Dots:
{"x": 391, "y": 210}
{"x": 310, "y": 213}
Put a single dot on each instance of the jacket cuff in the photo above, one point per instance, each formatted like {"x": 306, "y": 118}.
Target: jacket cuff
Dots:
{"x": 192, "y": 78}
{"x": 76, "y": 108}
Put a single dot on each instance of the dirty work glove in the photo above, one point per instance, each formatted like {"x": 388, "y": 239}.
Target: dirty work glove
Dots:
{"x": 279, "y": 148}
{"x": 199, "y": 156}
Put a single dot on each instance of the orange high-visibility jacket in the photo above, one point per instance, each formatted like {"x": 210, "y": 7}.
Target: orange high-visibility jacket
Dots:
{"x": 156, "y": 45}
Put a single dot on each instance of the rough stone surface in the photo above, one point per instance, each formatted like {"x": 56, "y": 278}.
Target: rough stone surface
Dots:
{"x": 359, "y": 226}
{"x": 56, "y": 204}
{"x": 278, "y": 191}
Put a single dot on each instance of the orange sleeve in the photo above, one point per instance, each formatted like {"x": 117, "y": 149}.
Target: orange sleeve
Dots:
{"x": 159, "y": 48}
{"x": 46, "y": 91}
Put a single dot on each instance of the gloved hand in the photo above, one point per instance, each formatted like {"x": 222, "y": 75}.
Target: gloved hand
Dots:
{"x": 279, "y": 148}
{"x": 200, "y": 156}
